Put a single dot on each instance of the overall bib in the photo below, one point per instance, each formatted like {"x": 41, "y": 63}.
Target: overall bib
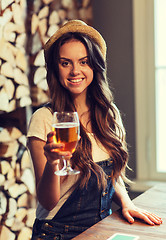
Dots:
{"x": 84, "y": 208}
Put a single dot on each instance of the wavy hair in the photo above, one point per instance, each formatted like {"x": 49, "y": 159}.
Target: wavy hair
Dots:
{"x": 103, "y": 113}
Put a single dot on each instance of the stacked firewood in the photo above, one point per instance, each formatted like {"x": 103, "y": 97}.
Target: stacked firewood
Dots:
{"x": 46, "y": 17}
{"x": 17, "y": 188}
{"x": 17, "y": 198}
{"x": 14, "y": 85}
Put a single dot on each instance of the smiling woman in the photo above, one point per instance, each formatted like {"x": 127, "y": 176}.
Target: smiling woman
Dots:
{"x": 76, "y": 74}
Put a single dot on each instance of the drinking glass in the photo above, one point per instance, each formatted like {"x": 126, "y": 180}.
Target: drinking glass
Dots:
{"x": 67, "y": 131}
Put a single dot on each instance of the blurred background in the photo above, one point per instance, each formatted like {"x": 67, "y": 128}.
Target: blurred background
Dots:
{"x": 136, "y": 56}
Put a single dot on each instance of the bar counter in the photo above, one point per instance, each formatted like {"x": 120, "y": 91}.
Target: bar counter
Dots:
{"x": 153, "y": 200}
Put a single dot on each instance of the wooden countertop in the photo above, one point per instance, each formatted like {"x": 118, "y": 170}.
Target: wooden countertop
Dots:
{"x": 153, "y": 200}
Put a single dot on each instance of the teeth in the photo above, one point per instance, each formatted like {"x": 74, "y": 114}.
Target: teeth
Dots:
{"x": 75, "y": 80}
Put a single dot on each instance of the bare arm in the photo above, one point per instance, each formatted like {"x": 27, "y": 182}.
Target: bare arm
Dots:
{"x": 46, "y": 162}
{"x": 129, "y": 210}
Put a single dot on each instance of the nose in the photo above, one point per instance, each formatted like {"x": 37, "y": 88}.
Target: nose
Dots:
{"x": 75, "y": 70}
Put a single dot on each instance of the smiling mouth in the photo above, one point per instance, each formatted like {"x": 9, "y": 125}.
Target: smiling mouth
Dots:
{"x": 75, "y": 80}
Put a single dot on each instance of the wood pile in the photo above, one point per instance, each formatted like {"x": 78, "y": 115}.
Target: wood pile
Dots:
{"x": 14, "y": 85}
{"x": 17, "y": 187}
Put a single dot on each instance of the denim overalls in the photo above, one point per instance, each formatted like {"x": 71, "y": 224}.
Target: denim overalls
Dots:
{"x": 84, "y": 208}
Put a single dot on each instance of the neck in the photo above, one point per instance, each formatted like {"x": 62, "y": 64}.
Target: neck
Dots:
{"x": 82, "y": 107}
{"x": 80, "y": 102}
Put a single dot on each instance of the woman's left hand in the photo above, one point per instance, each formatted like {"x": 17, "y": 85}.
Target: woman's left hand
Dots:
{"x": 134, "y": 212}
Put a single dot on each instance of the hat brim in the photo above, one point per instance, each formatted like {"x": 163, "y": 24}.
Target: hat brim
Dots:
{"x": 76, "y": 26}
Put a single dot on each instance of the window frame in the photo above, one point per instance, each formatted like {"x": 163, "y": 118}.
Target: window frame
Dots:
{"x": 144, "y": 80}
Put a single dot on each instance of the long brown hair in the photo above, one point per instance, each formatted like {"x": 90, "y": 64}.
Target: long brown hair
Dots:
{"x": 103, "y": 113}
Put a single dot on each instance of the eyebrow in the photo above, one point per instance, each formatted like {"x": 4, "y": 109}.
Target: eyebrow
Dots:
{"x": 67, "y": 59}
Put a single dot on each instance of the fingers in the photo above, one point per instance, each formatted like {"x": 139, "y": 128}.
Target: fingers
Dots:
{"x": 147, "y": 217}
{"x": 128, "y": 217}
{"x": 50, "y": 137}
{"x": 54, "y": 150}
{"x": 52, "y": 147}
{"x": 153, "y": 218}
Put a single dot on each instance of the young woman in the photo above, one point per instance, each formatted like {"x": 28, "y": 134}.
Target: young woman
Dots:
{"x": 76, "y": 74}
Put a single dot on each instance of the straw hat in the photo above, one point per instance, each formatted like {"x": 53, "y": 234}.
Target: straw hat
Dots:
{"x": 76, "y": 26}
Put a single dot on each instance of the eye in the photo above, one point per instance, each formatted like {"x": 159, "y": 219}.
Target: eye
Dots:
{"x": 84, "y": 62}
{"x": 65, "y": 63}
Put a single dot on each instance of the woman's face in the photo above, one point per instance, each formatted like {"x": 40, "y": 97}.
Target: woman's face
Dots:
{"x": 75, "y": 74}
